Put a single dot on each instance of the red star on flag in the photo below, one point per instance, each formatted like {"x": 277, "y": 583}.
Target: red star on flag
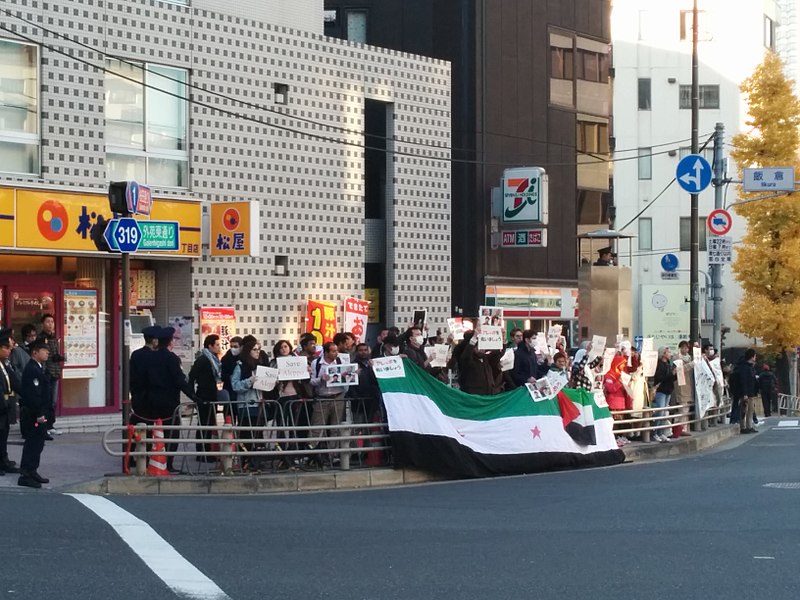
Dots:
{"x": 537, "y": 433}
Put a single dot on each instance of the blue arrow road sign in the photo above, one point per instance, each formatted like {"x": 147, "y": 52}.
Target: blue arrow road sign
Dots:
{"x": 127, "y": 235}
{"x": 108, "y": 234}
{"x": 693, "y": 173}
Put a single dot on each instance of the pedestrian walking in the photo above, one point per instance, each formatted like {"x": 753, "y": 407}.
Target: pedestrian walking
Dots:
{"x": 767, "y": 385}
{"x": 743, "y": 389}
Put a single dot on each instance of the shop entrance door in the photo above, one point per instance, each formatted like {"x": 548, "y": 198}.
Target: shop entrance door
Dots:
{"x": 26, "y": 298}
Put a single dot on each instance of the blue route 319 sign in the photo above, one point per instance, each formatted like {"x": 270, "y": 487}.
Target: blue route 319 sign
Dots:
{"x": 693, "y": 173}
{"x": 127, "y": 235}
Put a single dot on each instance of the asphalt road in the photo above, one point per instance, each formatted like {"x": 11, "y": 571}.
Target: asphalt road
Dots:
{"x": 699, "y": 527}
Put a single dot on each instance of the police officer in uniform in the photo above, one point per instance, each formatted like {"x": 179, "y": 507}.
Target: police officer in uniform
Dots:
{"x": 164, "y": 383}
{"x": 10, "y": 382}
{"x": 138, "y": 374}
{"x": 36, "y": 414}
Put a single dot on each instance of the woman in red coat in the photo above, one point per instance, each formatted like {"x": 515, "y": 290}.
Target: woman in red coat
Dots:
{"x": 614, "y": 390}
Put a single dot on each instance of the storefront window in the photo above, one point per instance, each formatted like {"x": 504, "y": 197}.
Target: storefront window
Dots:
{"x": 146, "y": 124}
{"x": 19, "y": 107}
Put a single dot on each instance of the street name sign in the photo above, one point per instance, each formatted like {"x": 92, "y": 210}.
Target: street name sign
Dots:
{"x": 768, "y": 179}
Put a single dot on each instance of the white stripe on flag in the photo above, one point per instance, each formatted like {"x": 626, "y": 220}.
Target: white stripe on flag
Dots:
{"x": 417, "y": 413}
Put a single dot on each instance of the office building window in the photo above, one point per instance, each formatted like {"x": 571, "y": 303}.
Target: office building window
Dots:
{"x": 708, "y": 153}
{"x": 645, "y": 163}
{"x": 562, "y": 63}
{"x": 685, "y": 233}
{"x": 708, "y": 96}
{"x": 769, "y": 33}
{"x": 146, "y": 127}
{"x": 592, "y": 66}
{"x": 19, "y": 108}
{"x": 645, "y": 233}
{"x": 357, "y": 26}
{"x": 644, "y": 94}
{"x": 592, "y": 137}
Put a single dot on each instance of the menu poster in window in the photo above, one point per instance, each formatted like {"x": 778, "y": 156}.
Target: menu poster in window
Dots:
{"x": 142, "y": 292}
{"x": 182, "y": 341}
{"x": 219, "y": 320}
{"x": 80, "y": 328}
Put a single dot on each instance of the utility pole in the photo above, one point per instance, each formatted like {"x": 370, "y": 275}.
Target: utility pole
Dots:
{"x": 716, "y": 270}
{"x": 694, "y": 284}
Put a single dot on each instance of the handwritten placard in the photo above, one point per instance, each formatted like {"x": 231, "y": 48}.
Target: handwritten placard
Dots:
{"x": 390, "y": 367}
{"x": 553, "y": 334}
{"x": 598, "y": 347}
{"x": 647, "y": 344}
{"x": 608, "y": 358}
{"x": 540, "y": 390}
{"x": 680, "y": 372}
{"x": 490, "y": 338}
{"x": 266, "y": 378}
{"x": 437, "y": 354}
{"x": 292, "y": 368}
{"x": 456, "y": 327}
{"x": 649, "y": 362}
{"x": 697, "y": 354}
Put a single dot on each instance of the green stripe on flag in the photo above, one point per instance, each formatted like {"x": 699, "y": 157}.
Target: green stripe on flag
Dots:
{"x": 459, "y": 405}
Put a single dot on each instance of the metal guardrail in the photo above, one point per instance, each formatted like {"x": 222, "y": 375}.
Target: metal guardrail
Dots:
{"x": 676, "y": 414}
{"x": 269, "y": 436}
{"x": 788, "y": 403}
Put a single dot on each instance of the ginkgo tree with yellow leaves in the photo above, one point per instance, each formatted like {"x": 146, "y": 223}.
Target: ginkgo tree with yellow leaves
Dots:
{"x": 768, "y": 260}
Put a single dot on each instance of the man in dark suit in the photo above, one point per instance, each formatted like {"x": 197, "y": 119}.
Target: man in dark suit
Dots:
{"x": 138, "y": 375}
{"x": 164, "y": 383}
{"x": 36, "y": 414}
{"x": 205, "y": 378}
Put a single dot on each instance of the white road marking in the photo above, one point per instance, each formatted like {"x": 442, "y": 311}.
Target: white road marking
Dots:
{"x": 794, "y": 423}
{"x": 764, "y": 557}
{"x": 178, "y": 573}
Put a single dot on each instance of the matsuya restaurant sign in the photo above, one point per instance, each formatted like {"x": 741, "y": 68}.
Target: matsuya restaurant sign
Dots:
{"x": 525, "y": 195}
{"x": 234, "y": 229}
{"x": 49, "y": 220}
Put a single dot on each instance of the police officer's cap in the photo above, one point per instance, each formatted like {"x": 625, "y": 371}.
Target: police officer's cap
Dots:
{"x": 151, "y": 332}
{"x": 606, "y": 250}
{"x": 166, "y": 333}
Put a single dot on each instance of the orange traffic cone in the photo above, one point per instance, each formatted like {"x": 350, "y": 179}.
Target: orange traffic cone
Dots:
{"x": 157, "y": 464}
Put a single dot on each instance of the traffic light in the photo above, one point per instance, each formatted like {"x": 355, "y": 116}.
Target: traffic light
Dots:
{"x": 117, "y": 200}
{"x": 96, "y": 233}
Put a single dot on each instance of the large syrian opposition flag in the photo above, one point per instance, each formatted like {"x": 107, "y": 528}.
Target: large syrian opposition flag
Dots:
{"x": 440, "y": 429}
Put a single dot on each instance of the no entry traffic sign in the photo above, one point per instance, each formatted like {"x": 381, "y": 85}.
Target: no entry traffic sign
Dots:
{"x": 719, "y": 222}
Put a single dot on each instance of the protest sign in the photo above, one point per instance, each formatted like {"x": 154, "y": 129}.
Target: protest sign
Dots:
{"x": 649, "y": 362}
{"x": 598, "y": 347}
{"x": 266, "y": 378}
{"x": 292, "y": 368}
{"x": 456, "y": 327}
{"x": 553, "y": 334}
{"x": 680, "y": 372}
{"x": 491, "y": 315}
{"x": 647, "y": 344}
{"x": 342, "y": 375}
{"x": 507, "y": 360}
{"x": 608, "y": 358}
{"x": 390, "y": 367}
{"x": 490, "y": 338}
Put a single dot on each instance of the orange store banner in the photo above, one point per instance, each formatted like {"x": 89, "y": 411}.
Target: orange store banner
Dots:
{"x": 234, "y": 229}
{"x": 50, "y": 220}
{"x": 321, "y": 320}
{"x": 220, "y": 320}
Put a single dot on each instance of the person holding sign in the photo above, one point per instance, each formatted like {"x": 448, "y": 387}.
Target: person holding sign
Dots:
{"x": 415, "y": 342}
{"x": 526, "y": 365}
{"x": 664, "y": 380}
{"x": 329, "y": 401}
{"x": 683, "y": 394}
{"x": 479, "y": 370}
{"x": 248, "y": 398}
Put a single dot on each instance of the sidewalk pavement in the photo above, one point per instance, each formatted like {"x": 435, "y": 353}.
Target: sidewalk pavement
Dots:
{"x": 76, "y": 462}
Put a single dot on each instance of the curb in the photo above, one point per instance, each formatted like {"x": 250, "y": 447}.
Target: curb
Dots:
{"x": 120, "y": 485}
{"x": 697, "y": 442}
{"x": 254, "y": 484}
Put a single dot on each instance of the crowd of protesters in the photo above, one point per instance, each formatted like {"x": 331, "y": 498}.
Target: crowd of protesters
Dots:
{"x": 226, "y": 382}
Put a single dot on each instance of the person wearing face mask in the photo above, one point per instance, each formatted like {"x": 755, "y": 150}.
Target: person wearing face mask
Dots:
{"x": 525, "y": 362}
{"x": 414, "y": 347}
{"x": 227, "y": 365}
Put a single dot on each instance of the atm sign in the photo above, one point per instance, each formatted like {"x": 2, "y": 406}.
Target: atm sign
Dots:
{"x": 526, "y": 238}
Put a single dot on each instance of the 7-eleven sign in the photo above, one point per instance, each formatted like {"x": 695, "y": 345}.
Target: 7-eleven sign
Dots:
{"x": 525, "y": 195}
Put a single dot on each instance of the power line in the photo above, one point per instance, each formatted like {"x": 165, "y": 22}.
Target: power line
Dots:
{"x": 311, "y": 121}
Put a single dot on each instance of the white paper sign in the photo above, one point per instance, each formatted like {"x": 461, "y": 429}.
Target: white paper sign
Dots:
{"x": 540, "y": 390}
{"x": 697, "y": 354}
{"x": 342, "y": 375}
{"x": 540, "y": 345}
{"x": 649, "y": 362}
{"x": 598, "y": 347}
{"x": 456, "y": 327}
{"x": 389, "y": 367}
{"x": 507, "y": 360}
{"x": 553, "y": 334}
{"x": 680, "y": 372}
{"x": 491, "y": 315}
{"x": 439, "y": 355}
{"x": 647, "y": 344}
{"x": 292, "y": 368}
{"x": 557, "y": 380}
{"x": 266, "y": 378}
{"x": 490, "y": 338}
{"x": 608, "y": 358}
